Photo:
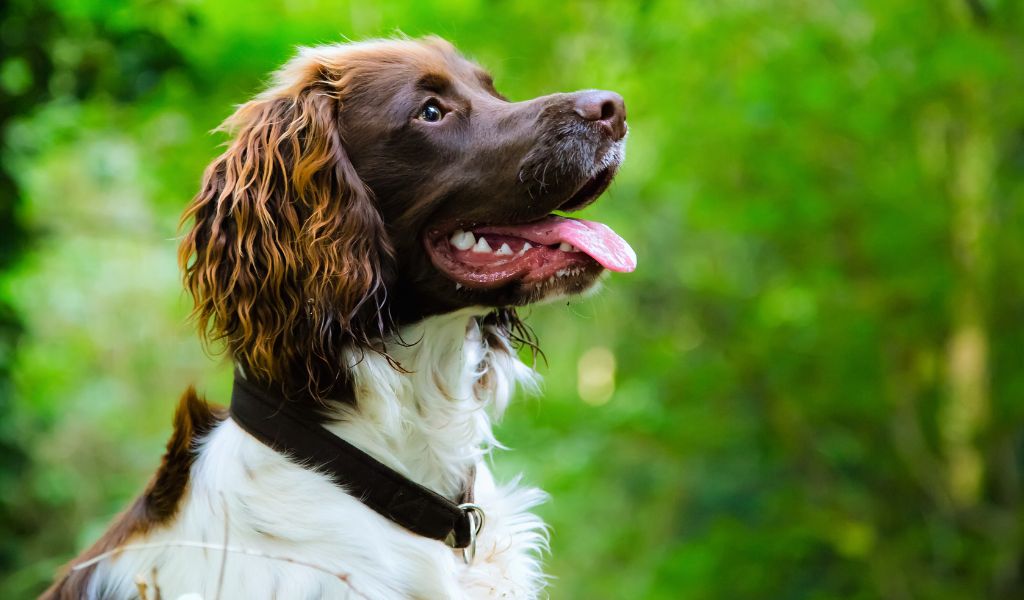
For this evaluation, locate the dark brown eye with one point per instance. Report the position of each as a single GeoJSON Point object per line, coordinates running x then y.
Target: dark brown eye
{"type": "Point", "coordinates": [431, 113]}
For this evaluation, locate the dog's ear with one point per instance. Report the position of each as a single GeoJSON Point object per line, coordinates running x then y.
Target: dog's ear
{"type": "Point", "coordinates": [284, 245]}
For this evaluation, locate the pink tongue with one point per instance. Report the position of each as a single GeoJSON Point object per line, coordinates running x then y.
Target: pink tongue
{"type": "Point", "coordinates": [596, 239]}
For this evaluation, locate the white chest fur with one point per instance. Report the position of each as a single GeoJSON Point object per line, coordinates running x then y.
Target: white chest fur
{"type": "Point", "coordinates": [292, 533]}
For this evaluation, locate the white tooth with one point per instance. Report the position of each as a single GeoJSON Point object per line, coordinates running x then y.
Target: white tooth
{"type": "Point", "coordinates": [526, 247]}
{"type": "Point", "coordinates": [458, 286]}
{"type": "Point", "coordinates": [481, 246]}
{"type": "Point", "coordinates": [463, 240]}
{"type": "Point", "coordinates": [561, 272]}
{"type": "Point", "coordinates": [504, 250]}
{"type": "Point", "coordinates": [564, 247]}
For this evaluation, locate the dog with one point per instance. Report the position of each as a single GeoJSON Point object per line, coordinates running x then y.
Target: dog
{"type": "Point", "coordinates": [360, 249]}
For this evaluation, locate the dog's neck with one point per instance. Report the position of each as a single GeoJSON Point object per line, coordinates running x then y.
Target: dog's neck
{"type": "Point", "coordinates": [431, 419]}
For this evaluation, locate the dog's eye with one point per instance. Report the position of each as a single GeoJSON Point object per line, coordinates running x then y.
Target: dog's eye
{"type": "Point", "coordinates": [431, 113]}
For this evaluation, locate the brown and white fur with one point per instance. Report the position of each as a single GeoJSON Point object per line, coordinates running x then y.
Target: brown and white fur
{"type": "Point", "coordinates": [306, 258]}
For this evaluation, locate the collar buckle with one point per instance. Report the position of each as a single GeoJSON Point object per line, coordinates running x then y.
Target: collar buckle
{"type": "Point", "coordinates": [476, 517]}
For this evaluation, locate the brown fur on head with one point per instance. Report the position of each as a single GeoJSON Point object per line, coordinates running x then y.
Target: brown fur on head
{"type": "Point", "coordinates": [324, 225]}
{"type": "Point", "coordinates": [286, 246]}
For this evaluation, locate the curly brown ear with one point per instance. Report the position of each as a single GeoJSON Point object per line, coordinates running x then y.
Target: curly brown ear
{"type": "Point", "coordinates": [283, 256]}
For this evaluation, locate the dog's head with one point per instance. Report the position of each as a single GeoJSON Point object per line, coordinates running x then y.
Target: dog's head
{"type": "Point", "coordinates": [377, 183]}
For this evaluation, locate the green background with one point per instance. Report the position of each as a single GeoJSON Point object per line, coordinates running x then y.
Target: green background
{"type": "Point", "coordinates": [811, 387]}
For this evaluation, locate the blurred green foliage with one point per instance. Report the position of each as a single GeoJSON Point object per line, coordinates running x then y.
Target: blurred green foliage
{"type": "Point", "coordinates": [811, 388]}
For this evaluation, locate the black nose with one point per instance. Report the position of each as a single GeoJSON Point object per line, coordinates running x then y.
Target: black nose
{"type": "Point", "coordinates": [606, 108]}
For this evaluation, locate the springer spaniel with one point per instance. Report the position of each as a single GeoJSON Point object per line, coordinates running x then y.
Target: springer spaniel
{"type": "Point", "coordinates": [359, 248]}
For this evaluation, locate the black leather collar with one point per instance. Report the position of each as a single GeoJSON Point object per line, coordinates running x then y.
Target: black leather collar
{"type": "Point", "coordinates": [277, 423]}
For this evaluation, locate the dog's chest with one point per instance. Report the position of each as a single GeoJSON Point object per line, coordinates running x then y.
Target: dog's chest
{"type": "Point", "coordinates": [255, 526]}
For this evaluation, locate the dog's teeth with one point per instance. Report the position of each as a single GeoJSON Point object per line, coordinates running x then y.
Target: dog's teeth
{"type": "Point", "coordinates": [463, 240]}
{"type": "Point", "coordinates": [566, 247]}
{"type": "Point", "coordinates": [504, 250]}
{"type": "Point", "coordinates": [458, 286]}
{"type": "Point", "coordinates": [561, 272]}
{"type": "Point", "coordinates": [526, 246]}
{"type": "Point", "coordinates": [481, 247]}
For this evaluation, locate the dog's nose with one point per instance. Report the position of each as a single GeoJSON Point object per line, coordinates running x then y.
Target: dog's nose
{"type": "Point", "coordinates": [606, 108]}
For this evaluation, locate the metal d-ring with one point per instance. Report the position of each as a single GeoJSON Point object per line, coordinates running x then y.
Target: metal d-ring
{"type": "Point", "coordinates": [476, 523]}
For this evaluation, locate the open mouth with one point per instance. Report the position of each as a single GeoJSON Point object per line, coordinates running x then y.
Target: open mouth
{"type": "Point", "coordinates": [552, 248]}
{"type": "Point", "coordinates": [548, 250]}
